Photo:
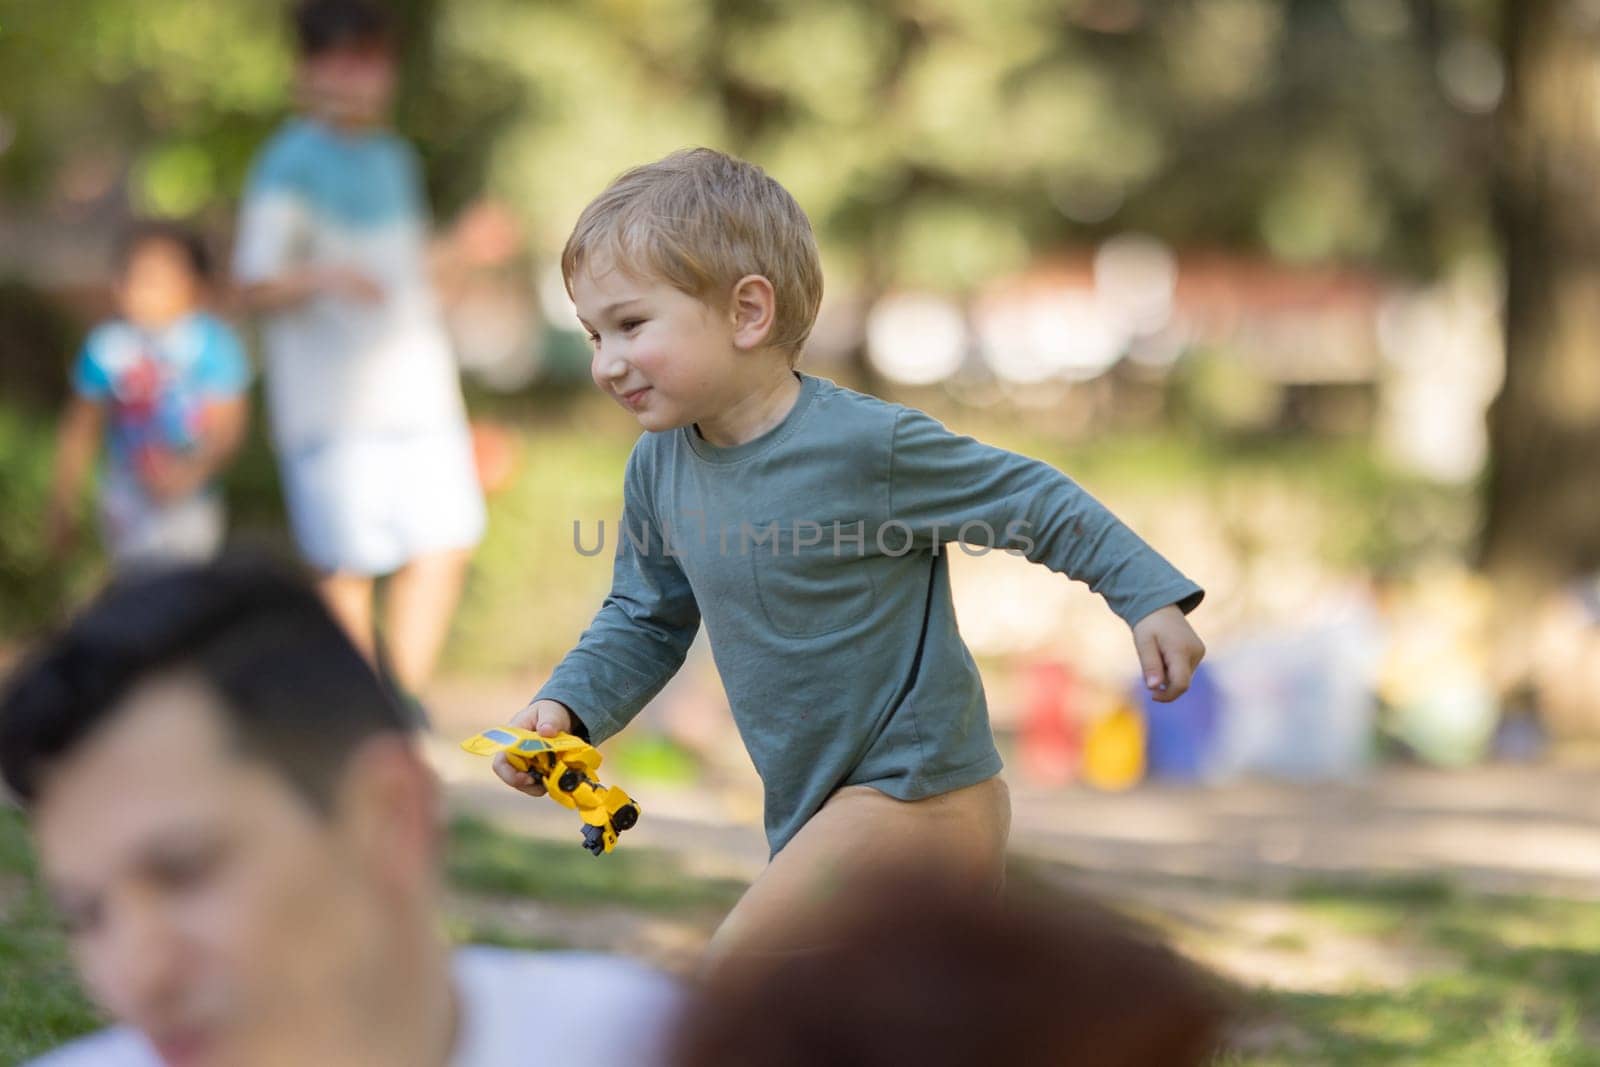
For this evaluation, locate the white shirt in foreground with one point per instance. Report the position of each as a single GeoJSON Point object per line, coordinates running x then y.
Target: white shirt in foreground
{"type": "Point", "coordinates": [614, 1012]}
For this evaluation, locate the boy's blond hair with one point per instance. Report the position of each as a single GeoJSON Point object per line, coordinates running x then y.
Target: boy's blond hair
{"type": "Point", "coordinates": [700, 220]}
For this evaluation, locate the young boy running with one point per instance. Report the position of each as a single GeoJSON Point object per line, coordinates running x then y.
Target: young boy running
{"type": "Point", "coordinates": [806, 524]}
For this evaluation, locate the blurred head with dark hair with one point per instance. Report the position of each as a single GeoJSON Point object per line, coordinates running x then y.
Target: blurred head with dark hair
{"type": "Point", "coordinates": [162, 272]}
{"type": "Point", "coordinates": [346, 61]}
{"type": "Point", "coordinates": [229, 814]}
{"type": "Point", "coordinates": [919, 970]}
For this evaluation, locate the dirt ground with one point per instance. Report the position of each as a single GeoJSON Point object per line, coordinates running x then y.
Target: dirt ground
{"type": "Point", "coordinates": [1217, 867]}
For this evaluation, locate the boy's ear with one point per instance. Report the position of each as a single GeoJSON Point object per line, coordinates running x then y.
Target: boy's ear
{"type": "Point", "coordinates": [752, 309]}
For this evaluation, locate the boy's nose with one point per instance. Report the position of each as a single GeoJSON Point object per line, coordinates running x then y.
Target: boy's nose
{"type": "Point", "coordinates": [608, 367]}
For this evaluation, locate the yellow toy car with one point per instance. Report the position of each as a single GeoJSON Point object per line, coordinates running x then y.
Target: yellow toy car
{"type": "Point", "coordinates": [567, 765]}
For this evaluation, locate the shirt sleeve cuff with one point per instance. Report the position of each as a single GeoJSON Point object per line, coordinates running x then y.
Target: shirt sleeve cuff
{"type": "Point", "coordinates": [588, 723]}
{"type": "Point", "coordinates": [1186, 595]}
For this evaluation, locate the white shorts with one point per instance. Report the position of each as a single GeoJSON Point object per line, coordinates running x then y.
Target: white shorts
{"type": "Point", "coordinates": [371, 504]}
{"type": "Point", "coordinates": [140, 532]}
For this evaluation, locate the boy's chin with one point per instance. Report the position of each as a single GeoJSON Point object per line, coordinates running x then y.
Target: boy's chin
{"type": "Point", "coordinates": [656, 422]}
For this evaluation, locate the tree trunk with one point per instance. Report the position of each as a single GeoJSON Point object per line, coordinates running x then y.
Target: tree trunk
{"type": "Point", "coordinates": [1543, 507]}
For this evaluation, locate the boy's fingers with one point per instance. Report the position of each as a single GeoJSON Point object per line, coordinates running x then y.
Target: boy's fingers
{"type": "Point", "coordinates": [1180, 671]}
{"type": "Point", "coordinates": [521, 781]}
{"type": "Point", "coordinates": [551, 721]}
{"type": "Point", "coordinates": [507, 773]}
{"type": "Point", "coordinates": [1181, 662]}
{"type": "Point", "coordinates": [1152, 669]}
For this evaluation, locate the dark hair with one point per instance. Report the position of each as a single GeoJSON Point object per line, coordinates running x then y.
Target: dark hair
{"type": "Point", "coordinates": [918, 969]}
{"type": "Point", "coordinates": [162, 231]}
{"type": "Point", "coordinates": [295, 692]}
{"type": "Point", "coordinates": [323, 25]}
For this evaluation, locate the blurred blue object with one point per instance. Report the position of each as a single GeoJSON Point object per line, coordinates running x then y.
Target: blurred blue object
{"type": "Point", "coordinates": [1180, 737]}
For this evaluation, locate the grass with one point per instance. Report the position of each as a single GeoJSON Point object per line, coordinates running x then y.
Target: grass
{"type": "Point", "coordinates": [484, 859]}
{"type": "Point", "coordinates": [1519, 977]}
{"type": "Point", "coordinates": [40, 1004]}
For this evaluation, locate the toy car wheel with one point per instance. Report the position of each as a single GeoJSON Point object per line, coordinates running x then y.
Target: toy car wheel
{"type": "Point", "coordinates": [625, 818]}
{"type": "Point", "coordinates": [569, 781]}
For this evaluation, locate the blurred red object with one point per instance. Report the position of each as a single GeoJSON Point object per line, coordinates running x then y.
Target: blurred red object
{"type": "Point", "coordinates": [1052, 733]}
{"type": "Point", "coordinates": [494, 449]}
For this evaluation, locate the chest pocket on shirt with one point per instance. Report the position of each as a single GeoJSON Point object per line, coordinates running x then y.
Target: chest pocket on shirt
{"type": "Point", "coordinates": [807, 590]}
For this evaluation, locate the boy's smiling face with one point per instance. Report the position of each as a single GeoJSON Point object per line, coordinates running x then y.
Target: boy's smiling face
{"type": "Point", "coordinates": [667, 357]}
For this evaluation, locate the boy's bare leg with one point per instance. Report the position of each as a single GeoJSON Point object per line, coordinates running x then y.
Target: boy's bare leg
{"type": "Point", "coordinates": [858, 834]}
{"type": "Point", "coordinates": [420, 602]}
{"type": "Point", "coordinates": [349, 598]}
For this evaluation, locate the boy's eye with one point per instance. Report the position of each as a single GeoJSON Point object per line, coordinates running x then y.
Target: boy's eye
{"type": "Point", "coordinates": [594, 338]}
{"type": "Point", "coordinates": [629, 325]}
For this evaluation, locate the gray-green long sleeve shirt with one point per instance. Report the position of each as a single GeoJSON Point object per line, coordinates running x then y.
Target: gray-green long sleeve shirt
{"type": "Point", "coordinates": [816, 556]}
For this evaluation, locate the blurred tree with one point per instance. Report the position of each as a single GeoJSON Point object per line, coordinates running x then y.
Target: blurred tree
{"type": "Point", "coordinates": [1543, 509]}
{"type": "Point", "coordinates": [935, 143]}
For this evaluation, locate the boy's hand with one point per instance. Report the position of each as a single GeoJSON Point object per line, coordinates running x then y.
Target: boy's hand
{"type": "Point", "coordinates": [1169, 651]}
{"type": "Point", "coordinates": [548, 718]}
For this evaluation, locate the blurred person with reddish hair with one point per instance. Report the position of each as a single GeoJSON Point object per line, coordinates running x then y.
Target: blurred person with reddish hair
{"type": "Point", "coordinates": [914, 970]}
{"type": "Point", "coordinates": [365, 402]}
{"type": "Point", "coordinates": [165, 384]}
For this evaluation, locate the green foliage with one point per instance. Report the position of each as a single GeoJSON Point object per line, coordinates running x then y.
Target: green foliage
{"type": "Point", "coordinates": [34, 589]}
{"type": "Point", "coordinates": [933, 143]}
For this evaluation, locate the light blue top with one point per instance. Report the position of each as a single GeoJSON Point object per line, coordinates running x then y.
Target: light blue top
{"type": "Point", "coordinates": [494, 987]}
{"type": "Point", "coordinates": [815, 555]}
{"type": "Point", "coordinates": [339, 366]}
{"type": "Point", "coordinates": [356, 180]}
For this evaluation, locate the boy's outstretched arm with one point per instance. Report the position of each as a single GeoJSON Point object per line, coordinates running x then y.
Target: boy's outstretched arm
{"type": "Point", "coordinates": [635, 644]}
{"type": "Point", "coordinates": [950, 488]}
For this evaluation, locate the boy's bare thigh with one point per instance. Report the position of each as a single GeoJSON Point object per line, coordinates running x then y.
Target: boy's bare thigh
{"type": "Point", "coordinates": [858, 834]}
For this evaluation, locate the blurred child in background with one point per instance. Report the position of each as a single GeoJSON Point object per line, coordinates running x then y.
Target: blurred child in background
{"type": "Point", "coordinates": [362, 392]}
{"type": "Point", "coordinates": [165, 383]}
